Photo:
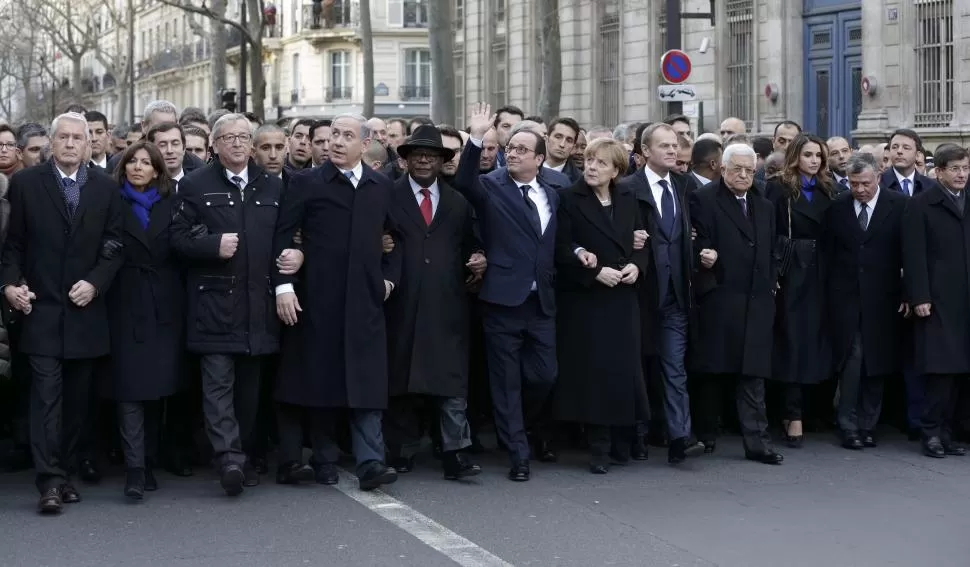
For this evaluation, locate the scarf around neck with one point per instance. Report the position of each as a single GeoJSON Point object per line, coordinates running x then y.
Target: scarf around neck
{"type": "Point", "coordinates": [141, 203]}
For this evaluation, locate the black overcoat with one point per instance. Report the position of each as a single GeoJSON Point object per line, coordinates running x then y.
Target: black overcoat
{"type": "Point", "coordinates": [50, 251]}
{"type": "Point", "coordinates": [427, 315]}
{"type": "Point", "coordinates": [936, 270]}
{"type": "Point", "coordinates": [598, 327]}
{"type": "Point", "coordinates": [231, 303]}
{"type": "Point", "coordinates": [735, 299]}
{"type": "Point", "coordinates": [336, 354]}
{"type": "Point", "coordinates": [802, 353]}
{"type": "Point", "coordinates": [864, 287]}
{"type": "Point", "coordinates": [146, 309]}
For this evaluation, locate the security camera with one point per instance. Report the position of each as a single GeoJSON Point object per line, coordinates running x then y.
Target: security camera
{"type": "Point", "coordinates": [705, 43]}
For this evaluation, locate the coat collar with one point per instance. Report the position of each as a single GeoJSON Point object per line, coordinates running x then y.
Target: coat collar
{"type": "Point", "coordinates": [727, 200]}
{"type": "Point", "coordinates": [589, 205]}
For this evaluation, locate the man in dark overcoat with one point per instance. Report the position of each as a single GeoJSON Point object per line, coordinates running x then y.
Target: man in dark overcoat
{"type": "Point", "coordinates": [936, 272]}
{"type": "Point", "coordinates": [862, 240]}
{"type": "Point", "coordinates": [61, 254]}
{"type": "Point", "coordinates": [231, 311]}
{"type": "Point", "coordinates": [734, 287]}
{"type": "Point", "coordinates": [335, 348]}
{"type": "Point", "coordinates": [427, 317]}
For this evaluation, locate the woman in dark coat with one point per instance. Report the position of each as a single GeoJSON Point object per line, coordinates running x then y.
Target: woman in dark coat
{"type": "Point", "coordinates": [146, 313]}
{"type": "Point", "coordinates": [598, 320]}
{"type": "Point", "coordinates": [802, 355]}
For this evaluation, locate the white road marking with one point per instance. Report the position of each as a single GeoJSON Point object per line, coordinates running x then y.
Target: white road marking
{"type": "Point", "coordinates": [436, 536]}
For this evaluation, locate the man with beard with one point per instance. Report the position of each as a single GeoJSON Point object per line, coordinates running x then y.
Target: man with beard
{"type": "Point", "coordinates": [299, 145]}
{"type": "Point", "coordinates": [839, 153]}
{"type": "Point", "coordinates": [452, 141]}
{"type": "Point", "coordinates": [427, 317]}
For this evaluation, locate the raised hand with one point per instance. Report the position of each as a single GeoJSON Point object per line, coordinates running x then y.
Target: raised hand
{"type": "Point", "coordinates": [480, 120]}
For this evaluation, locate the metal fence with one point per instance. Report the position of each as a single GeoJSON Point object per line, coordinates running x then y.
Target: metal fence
{"type": "Point", "coordinates": [934, 63]}
{"type": "Point", "coordinates": [740, 64]}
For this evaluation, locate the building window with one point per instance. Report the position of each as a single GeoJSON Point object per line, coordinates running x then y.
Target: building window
{"type": "Point", "coordinates": [340, 79]}
{"type": "Point", "coordinates": [498, 75]}
{"type": "Point", "coordinates": [740, 65]}
{"type": "Point", "coordinates": [415, 13]}
{"type": "Point", "coordinates": [934, 63]}
{"type": "Point", "coordinates": [609, 63]}
{"type": "Point", "coordinates": [460, 110]}
{"type": "Point", "coordinates": [295, 73]}
{"type": "Point", "coordinates": [459, 14]}
{"type": "Point", "coordinates": [417, 75]}
{"type": "Point", "coordinates": [498, 11]}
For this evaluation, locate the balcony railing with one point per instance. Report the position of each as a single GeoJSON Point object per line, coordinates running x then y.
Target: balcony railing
{"type": "Point", "coordinates": [338, 93]}
{"type": "Point", "coordinates": [316, 16]}
{"type": "Point", "coordinates": [415, 92]}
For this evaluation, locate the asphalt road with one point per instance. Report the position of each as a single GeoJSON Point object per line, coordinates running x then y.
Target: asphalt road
{"type": "Point", "coordinates": [825, 506]}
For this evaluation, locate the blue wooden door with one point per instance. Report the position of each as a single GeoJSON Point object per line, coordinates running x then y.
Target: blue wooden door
{"type": "Point", "coordinates": [833, 73]}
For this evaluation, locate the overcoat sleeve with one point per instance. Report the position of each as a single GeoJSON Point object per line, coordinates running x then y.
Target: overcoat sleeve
{"type": "Point", "coordinates": [188, 211]}
{"type": "Point", "coordinates": [568, 265]}
{"type": "Point", "coordinates": [916, 278]}
{"type": "Point", "coordinates": [467, 177]}
{"type": "Point", "coordinates": [13, 248]}
{"type": "Point", "coordinates": [288, 222]}
{"type": "Point", "coordinates": [702, 221]}
{"type": "Point", "coordinates": [111, 257]}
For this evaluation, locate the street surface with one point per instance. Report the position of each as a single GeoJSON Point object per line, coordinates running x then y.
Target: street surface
{"type": "Point", "coordinates": [883, 507]}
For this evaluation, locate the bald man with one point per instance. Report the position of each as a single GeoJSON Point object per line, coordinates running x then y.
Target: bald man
{"type": "Point", "coordinates": [839, 153]}
{"type": "Point", "coordinates": [732, 126]}
{"type": "Point", "coordinates": [774, 164]}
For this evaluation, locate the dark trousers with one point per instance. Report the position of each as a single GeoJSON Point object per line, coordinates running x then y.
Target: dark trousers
{"type": "Point", "coordinates": [673, 351]}
{"type": "Point", "coordinates": [654, 416]}
{"type": "Point", "coordinates": [405, 418]}
{"type": "Point", "coordinates": [183, 419]}
{"type": "Point", "coordinates": [605, 440]}
{"type": "Point", "coordinates": [365, 434]}
{"type": "Point", "coordinates": [59, 401]}
{"type": "Point", "coordinates": [915, 386]}
{"type": "Point", "coordinates": [230, 400]}
{"type": "Point", "coordinates": [521, 349]}
{"type": "Point", "coordinates": [939, 404]}
{"type": "Point", "coordinates": [264, 429]}
{"type": "Point", "coordinates": [860, 395]}
{"type": "Point", "coordinates": [139, 424]}
{"type": "Point", "coordinates": [749, 396]}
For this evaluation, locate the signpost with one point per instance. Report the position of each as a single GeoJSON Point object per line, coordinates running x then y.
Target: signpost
{"type": "Point", "coordinates": [677, 93]}
{"type": "Point", "coordinates": [675, 66]}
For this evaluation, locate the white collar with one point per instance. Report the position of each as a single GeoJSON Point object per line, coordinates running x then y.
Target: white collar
{"type": "Point", "coordinates": [416, 188]}
{"type": "Point", "coordinates": [103, 164]}
{"type": "Point", "coordinates": [244, 175]}
{"type": "Point", "coordinates": [871, 205]}
{"type": "Point", "coordinates": [180, 175]}
{"type": "Point", "coordinates": [72, 177]}
{"type": "Point", "coordinates": [701, 178]}
{"type": "Point", "coordinates": [653, 178]}
{"type": "Point", "coordinates": [532, 184]}
{"type": "Point", "coordinates": [558, 168]}
{"type": "Point", "coordinates": [358, 170]}
{"type": "Point", "coordinates": [900, 177]}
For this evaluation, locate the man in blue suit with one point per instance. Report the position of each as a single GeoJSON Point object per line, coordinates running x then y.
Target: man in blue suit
{"type": "Point", "coordinates": [516, 209]}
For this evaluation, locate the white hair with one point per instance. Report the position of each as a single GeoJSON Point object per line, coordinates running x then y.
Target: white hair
{"type": "Point", "coordinates": [163, 106]}
{"type": "Point", "coordinates": [740, 150]}
{"type": "Point", "coordinates": [365, 131]}
{"type": "Point", "coordinates": [709, 136]}
{"type": "Point", "coordinates": [228, 119]}
{"type": "Point", "coordinates": [70, 116]}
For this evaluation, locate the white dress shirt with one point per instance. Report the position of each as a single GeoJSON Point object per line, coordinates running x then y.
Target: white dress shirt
{"type": "Point", "coordinates": [178, 178]}
{"type": "Point", "coordinates": [912, 181]}
{"type": "Point", "coordinates": [658, 192]}
{"type": "Point", "coordinates": [541, 200]}
{"type": "Point", "coordinates": [103, 164]}
{"type": "Point", "coordinates": [435, 194]}
{"type": "Point", "coordinates": [701, 180]}
{"type": "Point", "coordinates": [558, 168]}
{"type": "Point", "coordinates": [357, 170]}
{"type": "Point", "coordinates": [870, 206]}
{"type": "Point", "coordinates": [72, 177]}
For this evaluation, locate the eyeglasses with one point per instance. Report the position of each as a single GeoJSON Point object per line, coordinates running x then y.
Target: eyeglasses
{"type": "Point", "coordinates": [738, 170]}
{"type": "Point", "coordinates": [518, 150]}
{"type": "Point", "coordinates": [233, 138]}
{"type": "Point", "coordinates": [8, 145]}
{"type": "Point", "coordinates": [950, 169]}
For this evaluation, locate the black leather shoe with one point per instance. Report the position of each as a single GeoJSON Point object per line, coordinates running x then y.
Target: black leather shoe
{"type": "Point", "coordinates": [232, 479]}
{"type": "Point", "coordinates": [952, 450]}
{"type": "Point", "coordinates": [710, 446]}
{"type": "Point", "coordinates": [458, 466]}
{"type": "Point", "coordinates": [326, 474]}
{"type": "Point", "coordinates": [260, 464]}
{"type": "Point", "coordinates": [868, 439]}
{"type": "Point", "coordinates": [374, 474]}
{"type": "Point", "coordinates": [769, 457]}
{"type": "Point", "coordinates": [543, 451]}
{"type": "Point", "coordinates": [135, 484]}
{"type": "Point", "coordinates": [476, 448]}
{"type": "Point", "coordinates": [520, 472]}
{"type": "Point", "coordinates": [50, 502]}
{"type": "Point", "coordinates": [250, 475]}
{"type": "Point", "coordinates": [599, 469]}
{"type": "Point", "coordinates": [638, 450]}
{"type": "Point", "coordinates": [852, 441]}
{"type": "Point", "coordinates": [619, 458]}
{"type": "Point", "coordinates": [88, 472]}
{"type": "Point", "coordinates": [681, 448]}
{"type": "Point", "coordinates": [933, 447]}
{"type": "Point", "coordinates": [151, 483]}
{"type": "Point", "coordinates": [403, 465]}
{"type": "Point", "coordinates": [294, 473]}
{"type": "Point", "coordinates": [69, 494]}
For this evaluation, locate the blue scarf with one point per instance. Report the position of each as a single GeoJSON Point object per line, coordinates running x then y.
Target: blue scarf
{"type": "Point", "coordinates": [808, 188]}
{"type": "Point", "coordinates": [141, 203]}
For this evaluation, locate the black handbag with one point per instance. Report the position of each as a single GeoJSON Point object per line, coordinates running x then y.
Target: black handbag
{"type": "Point", "coordinates": [784, 247]}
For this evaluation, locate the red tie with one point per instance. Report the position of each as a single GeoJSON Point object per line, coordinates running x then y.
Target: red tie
{"type": "Point", "coordinates": [426, 206]}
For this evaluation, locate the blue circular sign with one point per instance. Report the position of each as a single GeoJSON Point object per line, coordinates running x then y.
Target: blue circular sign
{"type": "Point", "coordinates": [675, 66]}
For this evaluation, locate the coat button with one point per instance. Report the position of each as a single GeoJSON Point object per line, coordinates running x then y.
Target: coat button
{"type": "Point", "coordinates": [257, 202]}
{"type": "Point", "coordinates": [208, 203]}
{"type": "Point", "coordinates": [427, 260]}
{"type": "Point", "coordinates": [231, 203]}
{"type": "Point", "coordinates": [750, 243]}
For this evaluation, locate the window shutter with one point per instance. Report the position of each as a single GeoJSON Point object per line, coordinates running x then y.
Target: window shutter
{"type": "Point", "coordinates": [395, 13]}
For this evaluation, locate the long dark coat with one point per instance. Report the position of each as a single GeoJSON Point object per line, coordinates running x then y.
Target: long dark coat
{"type": "Point", "coordinates": [146, 309]}
{"type": "Point", "coordinates": [427, 315]}
{"type": "Point", "coordinates": [936, 269]}
{"type": "Point", "coordinates": [50, 251]}
{"type": "Point", "coordinates": [802, 353]}
{"type": "Point", "coordinates": [864, 287]}
{"type": "Point", "coordinates": [336, 355]}
{"type": "Point", "coordinates": [231, 303]}
{"type": "Point", "coordinates": [735, 299]}
{"type": "Point", "coordinates": [598, 327]}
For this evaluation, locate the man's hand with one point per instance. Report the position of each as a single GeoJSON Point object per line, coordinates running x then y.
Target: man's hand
{"type": "Point", "coordinates": [387, 241]}
{"type": "Point", "coordinates": [480, 120]}
{"type": "Point", "coordinates": [19, 297]}
{"type": "Point", "coordinates": [587, 258]}
{"type": "Point", "coordinates": [640, 239]}
{"type": "Point", "coordinates": [904, 309]}
{"type": "Point", "coordinates": [388, 287]}
{"type": "Point", "coordinates": [228, 245]}
{"type": "Point", "coordinates": [287, 307]}
{"type": "Point", "coordinates": [82, 293]}
{"type": "Point", "coordinates": [923, 310]}
{"type": "Point", "coordinates": [477, 264]}
{"type": "Point", "coordinates": [609, 277]}
{"type": "Point", "coordinates": [630, 273]}
{"type": "Point", "coordinates": [290, 261]}
{"type": "Point", "coordinates": [708, 257]}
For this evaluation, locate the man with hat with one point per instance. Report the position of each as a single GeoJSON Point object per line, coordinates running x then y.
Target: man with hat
{"type": "Point", "coordinates": [427, 316]}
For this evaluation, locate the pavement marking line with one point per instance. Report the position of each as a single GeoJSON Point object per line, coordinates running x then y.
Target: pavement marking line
{"type": "Point", "coordinates": [436, 536]}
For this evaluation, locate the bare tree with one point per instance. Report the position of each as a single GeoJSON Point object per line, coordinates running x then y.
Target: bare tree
{"type": "Point", "coordinates": [69, 27]}
{"type": "Point", "coordinates": [551, 88]}
{"type": "Point", "coordinates": [218, 38]}
{"type": "Point", "coordinates": [367, 47]}
{"type": "Point", "coordinates": [113, 55]}
{"type": "Point", "coordinates": [20, 70]}
{"type": "Point", "coordinates": [441, 39]}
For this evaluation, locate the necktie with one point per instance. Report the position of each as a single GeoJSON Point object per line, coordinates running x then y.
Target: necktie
{"type": "Point", "coordinates": [72, 194]}
{"type": "Point", "coordinates": [864, 217]}
{"type": "Point", "coordinates": [239, 183]}
{"type": "Point", "coordinates": [350, 177]}
{"type": "Point", "coordinates": [844, 182]}
{"type": "Point", "coordinates": [426, 211]}
{"type": "Point", "coordinates": [959, 200]}
{"type": "Point", "coordinates": [906, 190]}
{"type": "Point", "coordinates": [666, 207]}
{"type": "Point", "coordinates": [533, 210]}
{"type": "Point", "coordinates": [744, 206]}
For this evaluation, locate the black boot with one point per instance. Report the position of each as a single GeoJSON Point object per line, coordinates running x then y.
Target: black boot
{"type": "Point", "coordinates": [135, 484]}
{"type": "Point", "coordinates": [458, 466]}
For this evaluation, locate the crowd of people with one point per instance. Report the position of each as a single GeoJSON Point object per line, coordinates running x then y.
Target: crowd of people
{"type": "Point", "coordinates": [353, 285]}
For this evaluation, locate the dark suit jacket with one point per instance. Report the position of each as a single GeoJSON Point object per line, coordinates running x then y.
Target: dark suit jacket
{"type": "Point", "coordinates": [50, 251]}
{"type": "Point", "coordinates": [890, 181]}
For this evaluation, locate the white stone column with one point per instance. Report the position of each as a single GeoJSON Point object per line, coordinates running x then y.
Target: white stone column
{"type": "Point", "coordinates": [876, 56]}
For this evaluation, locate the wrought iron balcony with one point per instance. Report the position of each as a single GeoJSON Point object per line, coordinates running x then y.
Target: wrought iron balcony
{"type": "Point", "coordinates": [342, 14]}
{"type": "Point", "coordinates": [415, 92]}
{"type": "Point", "coordinates": [338, 93]}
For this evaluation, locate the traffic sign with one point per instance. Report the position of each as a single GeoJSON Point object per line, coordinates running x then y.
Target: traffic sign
{"type": "Point", "coordinates": [675, 66]}
{"type": "Point", "coordinates": [677, 93]}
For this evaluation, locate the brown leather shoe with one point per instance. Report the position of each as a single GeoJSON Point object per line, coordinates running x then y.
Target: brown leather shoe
{"type": "Point", "coordinates": [69, 494]}
{"type": "Point", "coordinates": [50, 502]}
